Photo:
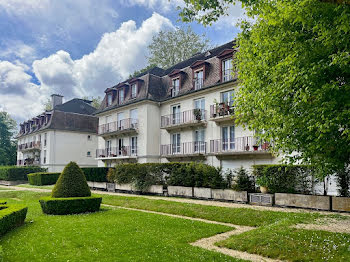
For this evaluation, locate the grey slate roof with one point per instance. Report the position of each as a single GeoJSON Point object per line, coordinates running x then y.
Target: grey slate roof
{"type": "Point", "coordinates": [76, 105]}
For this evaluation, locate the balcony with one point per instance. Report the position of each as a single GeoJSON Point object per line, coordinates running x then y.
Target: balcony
{"type": "Point", "coordinates": [124, 152]}
{"type": "Point", "coordinates": [188, 149]}
{"type": "Point", "coordinates": [222, 112]}
{"type": "Point", "coordinates": [239, 146]}
{"type": "Point", "coordinates": [29, 146]}
{"type": "Point", "coordinates": [128, 125]}
{"type": "Point", "coordinates": [227, 75]}
{"type": "Point", "coordinates": [189, 118]}
{"type": "Point", "coordinates": [198, 83]}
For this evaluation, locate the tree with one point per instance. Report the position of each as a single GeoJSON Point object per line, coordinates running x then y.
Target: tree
{"type": "Point", "coordinates": [138, 72]}
{"type": "Point", "coordinates": [8, 146]}
{"type": "Point", "coordinates": [96, 101]}
{"type": "Point", "coordinates": [47, 105]}
{"type": "Point", "coordinates": [294, 73]}
{"type": "Point", "coordinates": [171, 47]}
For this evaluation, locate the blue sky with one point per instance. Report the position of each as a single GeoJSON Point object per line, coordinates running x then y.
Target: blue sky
{"type": "Point", "coordinates": [81, 47]}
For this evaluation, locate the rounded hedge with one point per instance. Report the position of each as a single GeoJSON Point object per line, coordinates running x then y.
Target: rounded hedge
{"type": "Point", "coordinates": [43, 178]}
{"type": "Point", "coordinates": [71, 183]}
{"type": "Point", "coordinates": [70, 205]}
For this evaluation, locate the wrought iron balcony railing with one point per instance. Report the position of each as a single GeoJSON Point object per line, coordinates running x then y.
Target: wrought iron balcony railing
{"type": "Point", "coordinates": [239, 144]}
{"type": "Point", "coordinates": [124, 151]}
{"type": "Point", "coordinates": [118, 126]}
{"type": "Point", "coordinates": [185, 117]}
{"type": "Point", "coordinates": [187, 148]}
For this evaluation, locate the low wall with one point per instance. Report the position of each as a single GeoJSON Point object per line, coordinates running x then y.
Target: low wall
{"type": "Point", "coordinates": [202, 192]}
{"type": "Point", "coordinates": [12, 183]}
{"type": "Point", "coordinates": [230, 195]}
{"type": "Point", "coordinates": [304, 201]}
{"type": "Point", "coordinates": [124, 187]}
{"type": "Point", "coordinates": [341, 204]}
{"type": "Point", "coordinates": [180, 191]}
{"type": "Point", "coordinates": [155, 189]}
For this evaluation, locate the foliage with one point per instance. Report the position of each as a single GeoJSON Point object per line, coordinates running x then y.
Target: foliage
{"type": "Point", "coordinates": [243, 182]}
{"type": "Point", "coordinates": [43, 178]}
{"type": "Point", "coordinates": [284, 178]}
{"type": "Point", "coordinates": [171, 47]}
{"type": "Point", "coordinates": [15, 173]}
{"type": "Point", "coordinates": [71, 183]}
{"type": "Point", "coordinates": [343, 182]}
{"type": "Point", "coordinates": [179, 174]}
{"type": "Point", "coordinates": [139, 72]}
{"type": "Point", "coordinates": [8, 146]}
{"type": "Point", "coordinates": [70, 205]}
{"type": "Point", "coordinates": [11, 216]}
{"type": "Point", "coordinates": [96, 101]}
{"type": "Point", "coordinates": [47, 105]}
{"type": "Point", "coordinates": [95, 174]}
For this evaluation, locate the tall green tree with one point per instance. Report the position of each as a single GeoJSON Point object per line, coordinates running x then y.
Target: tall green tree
{"type": "Point", "coordinates": [137, 72]}
{"type": "Point", "coordinates": [293, 64]}
{"type": "Point", "coordinates": [96, 101]}
{"type": "Point", "coordinates": [8, 147]}
{"type": "Point", "coordinates": [171, 47]}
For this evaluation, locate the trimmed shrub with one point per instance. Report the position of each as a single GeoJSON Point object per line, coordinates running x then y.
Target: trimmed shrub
{"type": "Point", "coordinates": [284, 178]}
{"type": "Point", "coordinates": [18, 173]}
{"type": "Point", "coordinates": [70, 205]}
{"type": "Point", "coordinates": [71, 183]}
{"type": "Point", "coordinates": [42, 178]}
{"type": "Point", "coordinates": [11, 216]}
{"type": "Point", "coordinates": [175, 174]}
{"type": "Point", "coordinates": [95, 174]}
{"type": "Point", "coordinates": [243, 182]}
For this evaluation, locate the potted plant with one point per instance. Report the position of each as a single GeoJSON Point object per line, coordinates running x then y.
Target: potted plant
{"type": "Point", "coordinates": [255, 147]}
{"type": "Point", "coordinates": [198, 114]}
{"type": "Point", "coordinates": [263, 182]}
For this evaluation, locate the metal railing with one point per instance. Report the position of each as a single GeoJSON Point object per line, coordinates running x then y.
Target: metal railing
{"type": "Point", "coordinates": [239, 144]}
{"type": "Point", "coordinates": [29, 145]}
{"type": "Point", "coordinates": [116, 152]}
{"type": "Point", "coordinates": [185, 117]}
{"type": "Point", "coordinates": [124, 124]}
{"type": "Point", "coordinates": [227, 75]}
{"type": "Point", "coordinates": [198, 83]}
{"type": "Point", "coordinates": [187, 148]}
{"type": "Point", "coordinates": [221, 109]}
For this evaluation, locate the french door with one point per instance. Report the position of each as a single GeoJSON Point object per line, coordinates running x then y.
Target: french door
{"type": "Point", "coordinates": [176, 114]}
{"type": "Point", "coordinates": [176, 143]}
{"type": "Point", "coordinates": [228, 138]}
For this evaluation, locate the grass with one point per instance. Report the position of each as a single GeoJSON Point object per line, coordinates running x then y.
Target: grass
{"type": "Point", "coordinates": [108, 235]}
{"type": "Point", "coordinates": [34, 186]}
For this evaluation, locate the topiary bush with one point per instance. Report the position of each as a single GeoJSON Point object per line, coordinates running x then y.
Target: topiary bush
{"type": "Point", "coordinates": [43, 178]}
{"type": "Point", "coordinates": [70, 205]}
{"type": "Point", "coordinates": [16, 173]}
{"type": "Point", "coordinates": [11, 216]}
{"type": "Point", "coordinates": [243, 182]}
{"type": "Point", "coordinates": [71, 183]}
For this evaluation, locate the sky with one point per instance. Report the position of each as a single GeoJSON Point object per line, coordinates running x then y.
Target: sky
{"type": "Point", "coordinates": [79, 48]}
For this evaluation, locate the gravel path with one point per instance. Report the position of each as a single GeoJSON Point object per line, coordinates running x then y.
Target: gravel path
{"type": "Point", "coordinates": [328, 224]}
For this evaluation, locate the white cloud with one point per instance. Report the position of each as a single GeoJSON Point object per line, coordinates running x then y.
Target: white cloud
{"type": "Point", "coordinates": [117, 55]}
{"type": "Point", "coordinates": [159, 5]}
{"type": "Point", "coordinates": [17, 50]}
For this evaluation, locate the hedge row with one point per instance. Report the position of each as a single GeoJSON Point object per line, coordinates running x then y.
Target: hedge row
{"type": "Point", "coordinates": [95, 174]}
{"type": "Point", "coordinates": [11, 216]}
{"type": "Point", "coordinates": [15, 173]}
{"type": "Point", "coordinates": [43, 178]}
{"type": "Point", "coordinates": [173, 174]}
{"type": "Point", "coordinates": [285, 178]}
{"type": "Point", "coordinates": [70, 205]}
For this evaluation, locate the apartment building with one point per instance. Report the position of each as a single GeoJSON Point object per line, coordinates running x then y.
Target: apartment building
{"type": "Point", "coordinates": [66, 133]}
{"type": "Point", "coordinates": [183, 113]}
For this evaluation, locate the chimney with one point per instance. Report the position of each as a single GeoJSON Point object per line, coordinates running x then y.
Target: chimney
{"type": "Point", "coordinates": [56, 100]}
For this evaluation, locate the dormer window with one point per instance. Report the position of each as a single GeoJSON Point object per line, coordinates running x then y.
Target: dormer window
{"type": "Point", "coordinates": [227, 70]}
{"type": "Point", "coordinates": [133, 90]}
{"type": "Point", "coordinates": [121, 96]}
{"type": "Point", "coordinates": [109, 99]}
{"type": "Point", "coordinates": [198, 79]}
{"type": "Point", "coordinates": [175, 87]}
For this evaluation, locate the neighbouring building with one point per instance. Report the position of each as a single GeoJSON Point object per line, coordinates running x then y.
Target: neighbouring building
{"type": "Point", "coordinates": [183, 113]}
{"type": "Point", "coordinates": [66, 133]}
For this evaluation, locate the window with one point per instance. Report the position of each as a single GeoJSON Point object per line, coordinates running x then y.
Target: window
{"type": "Point", "coordinates": [44, 158]}
{"type": "Point", "coordinates": [176, 114]}
{"type": "Point", "coordinates": [227, 70]}
{"type": "Point", "coordinates": [121, 95]}
{"type": "Point", "coordinates": [199, 112]}
{"type": "Point", "coordinates": [228, 138]}
{"type": "Point", "coordinates": [120, 121]}
{"type": "Point", "coordinates": [88, 154]}
{"type": "Point", "coordinates": [133, 90]}
{"type": "Point", "coordinates": [176, 87]}
{"type": "Point", "coordinates": [133, 142]}
{"type": "Point", "coordinates": [198, 79]}
{"type": "Point", "coordinates": [133, 116]}
{"type": "Point", "coordinates": [227, 97]}
{"type": "Point", "coordinates": [121, 148]}
{"type": "Point", "coordinates": [109, 99]}
{"type": "Point", "coordinates": [199, 141]}
{"type": "Point", "coordinates": [108, 147]}
{"type": "Point", "coordinates": [45, 139]}
{"type": "Point", "coordinates": [176, 143]}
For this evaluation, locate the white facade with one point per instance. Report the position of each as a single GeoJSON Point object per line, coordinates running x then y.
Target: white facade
{"type": "Point", "coordinates": [53, 149]}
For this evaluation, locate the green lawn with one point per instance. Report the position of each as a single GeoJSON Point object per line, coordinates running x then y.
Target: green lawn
{"type": "Point", "coordinates": [108, 235]}
{"type": "Point", "coordinates": [33, 186]}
